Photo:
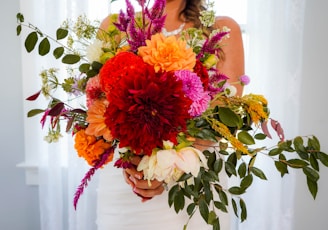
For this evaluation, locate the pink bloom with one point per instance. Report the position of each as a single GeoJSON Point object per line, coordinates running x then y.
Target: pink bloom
{"type": "Point", "coordinates": [193, 88]}
{"type": "Point", "coordinates": [93, 90]}
{"type": "Point", "coordinates": [244, 80]}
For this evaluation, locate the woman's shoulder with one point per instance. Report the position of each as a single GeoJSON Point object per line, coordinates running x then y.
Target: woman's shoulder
{"type": "Point", "coordinates": [226, 21]}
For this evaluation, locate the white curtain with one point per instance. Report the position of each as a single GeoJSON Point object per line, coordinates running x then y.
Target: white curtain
{"type": "Point", "coordinates": [60, 170]}
{"type": "Point", "coordinates": [274, 63]}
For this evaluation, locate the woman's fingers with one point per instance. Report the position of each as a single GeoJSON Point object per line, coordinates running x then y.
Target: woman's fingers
{"type": "Point", "coordinates": [149, 193]}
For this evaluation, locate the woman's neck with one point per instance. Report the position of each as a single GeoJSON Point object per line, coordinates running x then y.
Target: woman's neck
{"type": "Point", "coordinates": [173, 9]}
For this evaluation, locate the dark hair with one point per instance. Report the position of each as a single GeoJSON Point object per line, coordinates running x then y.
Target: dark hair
{"type": "Point", "coordinates": [192, 11]}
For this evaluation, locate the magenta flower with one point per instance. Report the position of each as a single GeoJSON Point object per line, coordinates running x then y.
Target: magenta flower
{"type": "Point", "coordinates": [244, 80]}
{"type": "Point", "coordinates": [193, 88]}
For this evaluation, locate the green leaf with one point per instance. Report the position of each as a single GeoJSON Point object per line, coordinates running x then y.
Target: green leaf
{"type": "Point", "coordinates": [71, 59]}
{"type": "Point", "coordinates": [44, 47]}
{"type": "Point", "coordinates": [234, 205]}
{"type": "Point", "coordinates": [314, 162]}
{"type": "Point", "coordinates": [243, 214]}
{"type": "Point", "coordinates": [230, 168]}
{"type": "Point", "coordinates": [18, 30]}
{"type": "Point", "coordinates": [184, 177]}
{"type": "Point", "coordinates": [282, 168]}
{"type": "Point", "coordinates": [191, 208]}
{"type": "Point", "coordinates": [242, 169]}
{"type": "Point", "coordinates": [313, 187]}
{"type": "Point", "coordinates": [260, 136]}
{"type": "Point", "coordinates": [34, 112]}
{"type": "Point", "coordinates": [246, 182]}
{"type": "Point", "coordinates": [179, 201]}
{"type": "Point", "coordinates": [203, 209]}
{"type": "Point", "coordinates": [221, 206]}
{"type": "Point", "coordinates": [323, 157]}
{"type": "Point", "coordinates": [58, 52]}
{"type": "Point", "coordinates": [236, 190]}
{"type": "Point", "coordinates": [300, 149]}
{"type": "Point", "coordinates": [61, 33]}
{"type": "Point", "coordinates": [211, 218]}
{"type": "Point", "coordinates": [314, 143]}
{"type": "Point", "coordinates": [172, 193]}
{"type": "Point", "coordinates": [297, 163]}
{"type": "Point", "coordinates": [85, 67]}
{"type": "Point", "coordinates": [274, 152]}
{"type": "Point", "coordinates": [246, 138]}
{"type": "Point", "coordinates": [258, 172]}
{"type": "Point", "coordinates": [223, 197]}
{"type": "Point", "coordinates": [20, 17]}
{"type": "Point", "coordinates": [311, 173]}
{"type": "Point", "coordinates": [229, 118]}
{"type": "Point", "coordinates": [218, 165]}
{"type": "Point", "coordinates": [31, 41]}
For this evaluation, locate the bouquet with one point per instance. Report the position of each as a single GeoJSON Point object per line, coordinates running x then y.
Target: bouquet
{"type": "Point", "coordinates": [157, 97]}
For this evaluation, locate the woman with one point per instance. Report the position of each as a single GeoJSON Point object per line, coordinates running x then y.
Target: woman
{"type": "Point", "coordinates": [118, 207]}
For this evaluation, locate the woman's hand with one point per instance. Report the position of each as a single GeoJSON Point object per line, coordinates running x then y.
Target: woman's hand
{"type": "Point", "coordinates": [140, 186]}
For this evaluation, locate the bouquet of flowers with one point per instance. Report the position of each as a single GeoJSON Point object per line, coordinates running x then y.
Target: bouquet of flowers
{"type": "Point", "coordinates": [156, 97]}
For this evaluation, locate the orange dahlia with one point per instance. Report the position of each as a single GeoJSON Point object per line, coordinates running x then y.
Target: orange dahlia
{"type": "Point", "coordinates": [167, 54]}
{"type": "Point", "coordinates": [90, 148]}
{"type": "Point", "coordinates": [96, 120]}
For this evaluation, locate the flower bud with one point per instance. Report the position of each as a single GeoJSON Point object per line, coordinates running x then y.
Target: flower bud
{"type": "Point", "coordinates": [210, 61]}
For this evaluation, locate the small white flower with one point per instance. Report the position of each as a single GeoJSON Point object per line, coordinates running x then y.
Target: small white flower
{"type": "Point", "coordinates": [230, 90]}
{"type": "Point", "coordinates": [94, 51]}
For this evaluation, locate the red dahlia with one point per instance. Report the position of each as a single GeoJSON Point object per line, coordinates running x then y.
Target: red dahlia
{"type": "Point", "coordinates": [145, 108]}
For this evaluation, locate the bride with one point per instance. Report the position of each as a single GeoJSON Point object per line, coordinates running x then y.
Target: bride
{"type": "Point", "coordinates": [125, 201]}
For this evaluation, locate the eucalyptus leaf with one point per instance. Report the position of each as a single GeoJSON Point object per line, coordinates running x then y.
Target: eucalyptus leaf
{"type": "Point", "coordinates": [230, 168]}
{"type": "Point", "coordinates": [218, 165]}
{"type": "Point", "coordinates": [242, 170]}
{"type": "Point", "coordinates": [191, 208]}
{"type": "Point", "coordinates": [314, 143]}
{"type": "Point", "coordinates": [223, 197]}
{"type": "Point", "coordinates": [85, 67]}
{"type": "Point", "coordinates": [260, 136]}
{"type": "Point", "coordinates": [31, 41]}
{"type": "Point", "coordinates": [220, 206]}
{"type": "Point", "coordinates": [44, 46]}
{"type": "Point", "coordinates": [275, 151]}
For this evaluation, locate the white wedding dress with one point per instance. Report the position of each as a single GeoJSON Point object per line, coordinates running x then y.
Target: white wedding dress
{"type": "Point", "coordinates": [118, 208]}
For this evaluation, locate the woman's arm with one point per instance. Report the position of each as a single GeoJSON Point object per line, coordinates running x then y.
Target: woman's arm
{"type": "Point", "coordinates": [232, 64]}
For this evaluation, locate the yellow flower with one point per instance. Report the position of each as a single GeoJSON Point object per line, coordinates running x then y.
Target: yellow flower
{"type": "Point", "coordinates": [256, 104]}
{"type": "Point", "coordinates": [96, 120]}
{"type": "Point", "coordinates": [167, 53]}
{"type": "Point", "coordinates": [225, 132]}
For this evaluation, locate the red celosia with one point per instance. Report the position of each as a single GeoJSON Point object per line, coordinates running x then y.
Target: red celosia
{"type": "Point", "coordinates": [145, 108]}
{"type": "Point", "coordinates": [201, 72]}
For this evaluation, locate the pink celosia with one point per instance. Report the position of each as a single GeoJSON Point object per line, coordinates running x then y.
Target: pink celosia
{"type": "Point", "coordinates": [93, 90]}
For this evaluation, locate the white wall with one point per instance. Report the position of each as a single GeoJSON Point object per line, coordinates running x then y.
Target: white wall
{"type": "Point", "coordinates": [19, 208]}
{"type": "Point", "coordinates": [311, 214]}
